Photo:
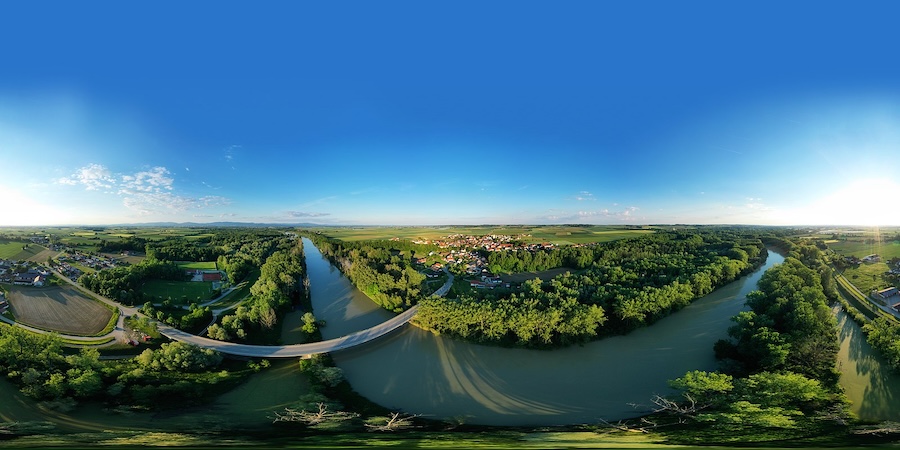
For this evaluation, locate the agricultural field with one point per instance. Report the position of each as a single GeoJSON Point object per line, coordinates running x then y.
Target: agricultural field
{"type": "Point", "coordinates": [862, 247]}
{"type": "Point", "coordinates": [195, 291]}
{"type": "Point", "coordinates": [25, 251]}
{"type": "Point", "coordinates": [559, 235]}
{"type": "Point", "coordinates": [63, 309]}
{"type": "Point", "coordinates": [868, 277]}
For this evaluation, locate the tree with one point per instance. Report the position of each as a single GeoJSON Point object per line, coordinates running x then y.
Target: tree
{"type": "Point", "coordinates": [312, 418]}
{"type": "Point", "coordinates": [309, 323]}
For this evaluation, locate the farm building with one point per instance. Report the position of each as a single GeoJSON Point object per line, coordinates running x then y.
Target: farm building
{"type": "Point", "coordinates": [212, 276]}
{"type": "Point", "coordinates": [885, 294]}
{"type": "Point", "coordinates": [32, 278]}
{"type": "Point", "coordinates": [871, 259]}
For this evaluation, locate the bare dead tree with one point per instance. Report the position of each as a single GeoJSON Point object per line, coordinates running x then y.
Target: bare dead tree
{"type": "Point", "coordinates": [7, 428]}
{"type": "Point", "coordinates": [268, 318]}
{"type": "Point", "coordinates": [397, 421]}
{"type": "Point", "coordinates": [881, 429]}
{"type": "Point", "coordinates": [688, 410]}
{"type": "Point", "coordinates": [311, 418]}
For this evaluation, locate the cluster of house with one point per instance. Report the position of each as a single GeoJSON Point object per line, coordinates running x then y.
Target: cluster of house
{"type": "Point", "coordinates": [31, 277]}
{"type": "Point", "coordinates": [489, 242]}
{"type": "Point", "coordinates": [96, 262]}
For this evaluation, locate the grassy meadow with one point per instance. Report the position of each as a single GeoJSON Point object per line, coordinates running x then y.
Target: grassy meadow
{"type": "Point", "coordinates": [195, 291]}
{"type": "Point", "coordinates": [20, 251]}
{"type": "Point", "coordinates": [868, 277]}
{"type": "Point", "coordinates": [559, 235]}
{"type": "Point", "coordinates": [195, 265]}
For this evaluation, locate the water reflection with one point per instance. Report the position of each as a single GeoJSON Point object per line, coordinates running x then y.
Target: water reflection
{"type": "Point", "coordinates": [418, 372]}
{"type": "Point", "coordinates": [866, 378]}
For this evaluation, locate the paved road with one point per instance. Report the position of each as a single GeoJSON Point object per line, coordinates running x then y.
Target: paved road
{"type": "Point", "coordinates": [261, 351]}
{"type": "Point", "coordinates": [442, 291]}
{"type": "Point", "coordinates": [295, 350]}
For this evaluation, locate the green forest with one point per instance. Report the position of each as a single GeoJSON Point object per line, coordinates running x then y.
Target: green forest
{"type": "Point", "coordinates": [622, 285]}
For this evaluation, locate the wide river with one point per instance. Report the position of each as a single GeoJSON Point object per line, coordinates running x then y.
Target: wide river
{"type": "Point", "coordinates": [417, 372]}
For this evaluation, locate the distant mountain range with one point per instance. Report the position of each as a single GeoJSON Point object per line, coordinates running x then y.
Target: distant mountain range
{"type": "Point", "coordinates": [214, 224]}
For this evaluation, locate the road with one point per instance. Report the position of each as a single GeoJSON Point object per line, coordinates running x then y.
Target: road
{"type": "Point", "coordinates": [259, 351]}
{"type": "Point", "coordinates": [295, 350]}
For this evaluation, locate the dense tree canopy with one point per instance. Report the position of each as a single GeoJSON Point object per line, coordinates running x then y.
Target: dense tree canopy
{"type": "Point", "coordinates": [624, 285]}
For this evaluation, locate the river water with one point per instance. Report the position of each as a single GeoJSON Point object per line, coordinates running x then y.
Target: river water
{"type": "Point", "coordinates": [417, 372]}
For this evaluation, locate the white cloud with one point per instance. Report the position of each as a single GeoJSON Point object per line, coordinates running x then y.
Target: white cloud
{"type": "Point", "coordinates": [584, 196]}
{"type": "Point", "coordinates": [601, 215]}
{"type": "Point", "coordinates": [306, 214]}
{"type": "Point", "coordinates": [146, 192]}
{"type": "Point", "coordinates": [92, 177]}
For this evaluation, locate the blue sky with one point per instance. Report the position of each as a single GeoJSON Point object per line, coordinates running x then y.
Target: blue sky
{"type": "Point", "coordinates": [450, 113]}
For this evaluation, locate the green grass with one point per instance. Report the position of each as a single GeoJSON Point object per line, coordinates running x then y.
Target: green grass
{"type": "Point", "coordinates": [868, 277]}
{"type": "Point", "coordinates": [14, 250]}
{"type": "Point", "coordinates": [211, 265]}
{"type": "Point", "coordinates": [559, 235]}
{"type": "Point", "coordinates": [862, 247]}
{"type": "Point", "coordinates": [161, 289]}
{"type": "Point", "coordinates": [98, 341]}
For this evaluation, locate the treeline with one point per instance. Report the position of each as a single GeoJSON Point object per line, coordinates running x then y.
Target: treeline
{"type": "Point", "coordinates": [884, 334]}
{"type": "Point", "coordinates": [123, 283]}
{"type": "Point", "coordinates": [131, 243]}
{"type": "Point", "coordinates": [536, 317]}
{"type": "Point", "coordinates": [628, 284]}
{"type": "Point", "coordinates": [193, 320]}
{"type": "Point", "coordinates": [778, 375]}
{"type": "Point", "coordinates": [789, 327]}
{"type": "Point", "coordinates": [277, 288]}
{"type": "Point", "coordinates": [389, 280]}
{"type": "Point", "coordinates": [176, 374]}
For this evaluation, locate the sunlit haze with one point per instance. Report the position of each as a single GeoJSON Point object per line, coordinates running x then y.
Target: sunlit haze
{"type": "Point", "coordinates": [419, 113]}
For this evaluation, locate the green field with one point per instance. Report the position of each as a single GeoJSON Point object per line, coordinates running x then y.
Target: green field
{"type": "Point", "coordinates": [14, 250]}
{"type": "Point", "coordinates": [868, 277]}
{"type": "Point", "coordinates": [192, 265]}
{"type": "Point", "coordinates": [862, 247]}
{"type": "Point", "coordinates": [559, 235]}
{"type": "Point", "coordinates": [195, 291]}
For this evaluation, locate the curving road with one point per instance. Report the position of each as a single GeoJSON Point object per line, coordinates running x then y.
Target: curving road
{"type": "Point", "coordinates": [295, 350]}
{"type": "Point", "coordinates": [259, 351]}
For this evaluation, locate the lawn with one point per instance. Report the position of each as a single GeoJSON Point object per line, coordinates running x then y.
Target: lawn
{"type": "Point", "coordinates": [177, 290]}
{"type": "Point", "coordinates": [63, 309]}
{"type": "Point", "coordinates": [868, 277]}
{"type": "Point", "coordinates": [211, 265]}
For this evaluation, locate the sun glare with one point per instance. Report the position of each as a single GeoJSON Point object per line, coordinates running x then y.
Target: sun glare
{"type": "Point", "coordinates": [25, 211]}
{"type": "Point", "coordinates": [870, 202]}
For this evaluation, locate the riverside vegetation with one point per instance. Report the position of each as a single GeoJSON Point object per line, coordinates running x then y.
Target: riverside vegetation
{"type": "Point", "coordinates": [777, 381]}
{"type": "Point", "coordinates": [616, 286]}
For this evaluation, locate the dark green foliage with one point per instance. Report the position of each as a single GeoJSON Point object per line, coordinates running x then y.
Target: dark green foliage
{"type": "Point", "coordinates": [884, 334]}
{"type": "Point", "coordinates": [176, 374]}
{"type": "Point", "coordinates": [278, 286]}
{"type": "Point", "coordinates": [376, 268]}
{"type": "Point", "coordinates": [629, 283]}
{"type": "Point", "coordinates": [123, 283]}
{"type": "Point", "coordinates": [789, 327]}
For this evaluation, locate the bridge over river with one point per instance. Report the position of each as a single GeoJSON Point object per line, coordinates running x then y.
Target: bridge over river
{"type": "Point", "coordinates": [293, 350]}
